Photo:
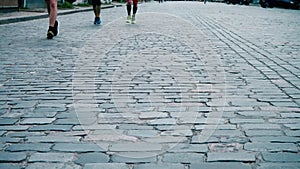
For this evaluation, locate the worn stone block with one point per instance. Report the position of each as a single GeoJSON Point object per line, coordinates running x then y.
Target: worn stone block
{"type": "Point", "coordinates": [238, 156]}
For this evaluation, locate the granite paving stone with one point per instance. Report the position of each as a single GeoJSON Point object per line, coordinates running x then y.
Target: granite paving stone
{"type": "Point", "coordinates": [10, 166]}
{"type": "Point", "coordinates": [153, 115]}
{"type": "Point", "coordinates": [227, 133]}
{"type": "Point", "coordinates": [258, 114]}
{"type": "Point", "coordinates": [261, 126]}
{"type": "Point", "coordinates": [285, 120]}
{"type": "Point", "coordinates": [166, 121]}
{"type": "Point", "coordinates": [246, 120]}
{"type": "Point", "coordinates": [79, 147]}
{"type": "Point", "coordinates": [10, 140]}
{"type": "Point", "coordinates": [51, 157]}
{"type": "Point", "coordinates": [39, 165]}
{"type": "Point", "coordinates": [87, 158]}
{"type": "Point", "coordinates": [182, 157]}
{"type": "Point", "coordinates": [281, 157]}
{"type": "Point", "coordinates": [23, 134]}
{"type": "Point", "coordinates": [252, 133]}
{"type": "Point", "coordinates": [234, 156]}
{"type": "Point", "coordinates": [177, 133]}
{"type": "Point", "coordinates": [8, 121]}
{"type": "Point", "coordinates": [143, 133]}
{"type": "Point", "coordinates": [159, 166]}
{"type": "Point", "coordinates": [293, 126]}
{"type": "Point", "coordinates": [2, 145]}
{"type": "Point", "coordinates": [165, 139]}
{"type": "Point", "coordinates": [12, 156]}
{"type": "Point", "coordinates": [37, 121]}
{"type": "Point", "coordinates": [188, 148]}
{"type": "Point", "coordinates": [95, 127]}
{"type": "Point", "coordinates": [52, 139]}
{"type": "Point", "coordinates": [134, 127]}
{"type": "Point", "coordinates": [50, 127]}
{"type": "Point", "coordinates": [290, 115]}
{"type": "Point", "coordinates": [271, 147]}
{"type": "Point", "coordinates": [134, 157]}
{"type": "Point", "coordinates": [294, 133]}
{"type": "Point", "coordinates": [218, 165]}
{"type": "Point", "coordinates": [40, 147]}
{"type": "Point", "coordinates": [133, 147]}
{"type": "Point", "coordinates": [241, 140]}
{"type": "Point", "coordinates": [275, 139]}
{"type": "Point", "coordinates": [14, 128]}
{"type": "Point", "coordinates": [278, 166]}
{"type": "Point", "coordinates": [106, 166]}
{"type": "Point", "coordinates": [67, 121]}
{"type": "Point", "coordinates": [198, 139]}
{"type": "Point", "coordinates": [218, 127]}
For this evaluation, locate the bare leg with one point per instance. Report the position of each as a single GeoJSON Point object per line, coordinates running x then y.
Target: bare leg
{"type": "Point", "coordinates": [52, 11]}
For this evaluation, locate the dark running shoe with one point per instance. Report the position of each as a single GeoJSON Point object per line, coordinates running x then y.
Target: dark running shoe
{"type": "Point", "coordinates": [97, 21]}
{"type": "Point", "coordinates": [56, 28]}
{"type": "Point", "coordinates": [51, 32]}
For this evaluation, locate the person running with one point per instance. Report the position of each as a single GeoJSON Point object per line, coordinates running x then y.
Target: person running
{"type": "Point", "coordinates": [53, 23]}
{"type": "Point", "coordinates": [97, 10]}
{"type": "Point", "coordinates": [129, 17]}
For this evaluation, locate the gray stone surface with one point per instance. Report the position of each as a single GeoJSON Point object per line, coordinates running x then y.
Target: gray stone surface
{"type": "Point", "coordinates": [275, 139]}
{"type": "Point", "coordinates": [51, 127]}
{"type": "Point", "coordinates": [8, 121]}
{"type": "Point", "coordinates": [134, 147]}
{"type": "Point", "coordinates": [218, 165]}
{"type": "Point", "coordinates": [106, 166]}
{"type": "Point", "coordinates": [40, 147]}
{"type": "Point", "coordinates": [52, 139]}
{"type": "Point", "coordinates": [177, 148]}
{"type": "Point", "coordinates": [278, 166]}
{"type": "Point", "coordinates": [12, 157]}
{"type": "Point", "coordinates": [78, 147]}
{"type": "Point", "coordinates": [10, 166]}
{"type": "Point", "coordinates": [159, 166]}
{"type": "Point", "coordinates": [86, 158]}
{"type": "Point", "coordinates": [134, 157]}
{"type": "Point", "coordinates": [240, 156]}
{"type": "Point", "coordinates": [271, 147]}
{"type": "Point", "coordinates": [252, 133]}
{"type": "Point", "coordinates": [189, 81]}
{"type": "Point", "coordinates": [183, 157]}
{"type": "Point", "coordinates": [39, 165]}
{"type": "Point", "coordinates": [51, 157]}
{"type": "Point", "coordinates": [281, 157]}
{"type": "Point", "coordinates": [37, 121]}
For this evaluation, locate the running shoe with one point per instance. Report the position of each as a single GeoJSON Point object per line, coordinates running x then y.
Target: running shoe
{"type": "Point", "coordinates": [97, 21]}
{"type": "Point", "coordinates": [50, 33]}
{"type": "Point", "coordinates": [56, 28]}
{"type": "Point", "coordinates": [128, 19]}
{"type": "Point", "coordinates": [133, 20]}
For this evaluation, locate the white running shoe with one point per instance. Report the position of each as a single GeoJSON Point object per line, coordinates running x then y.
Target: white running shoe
{"type": "Point", "coordinates": [133, 20]}
{"type": "Point", "coordinates": [128, 19]}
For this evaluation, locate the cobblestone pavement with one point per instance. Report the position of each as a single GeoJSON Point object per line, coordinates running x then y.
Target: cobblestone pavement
{"type": "Point", "coordinates": [189, 86]}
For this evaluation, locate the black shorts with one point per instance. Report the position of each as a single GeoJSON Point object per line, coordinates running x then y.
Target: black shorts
{"type": "Point", "coordinates": [96, 2]}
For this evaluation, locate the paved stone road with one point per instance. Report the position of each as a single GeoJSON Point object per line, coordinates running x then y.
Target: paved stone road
{"type": "Point", "coordinates": [189, 86]}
